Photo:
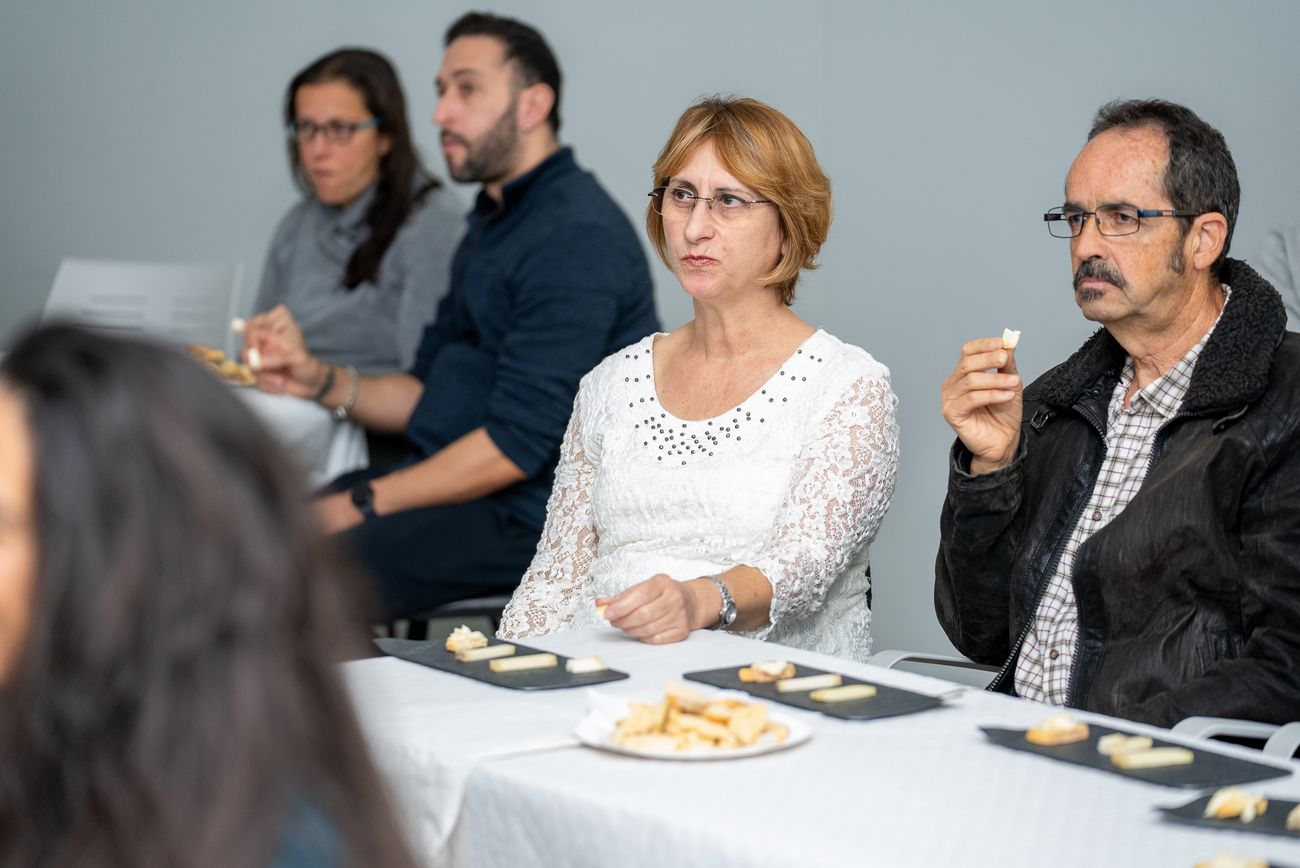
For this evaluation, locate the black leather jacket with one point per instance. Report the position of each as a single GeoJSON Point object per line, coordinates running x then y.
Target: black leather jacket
{"type": "Point", "coordinates": [1188, 600]}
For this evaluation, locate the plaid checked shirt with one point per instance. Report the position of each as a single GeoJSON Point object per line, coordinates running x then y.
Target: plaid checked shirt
{"type": "Point", "coordinates": [1047, 655]}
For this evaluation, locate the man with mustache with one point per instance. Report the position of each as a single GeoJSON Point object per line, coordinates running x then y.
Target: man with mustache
{"type": "Point", "coordinates": [549, 278]}
{"type": "Point", "coordinates": [1123, 534]}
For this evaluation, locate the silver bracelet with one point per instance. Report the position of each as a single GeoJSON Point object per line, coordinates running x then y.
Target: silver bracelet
{"type": "Point", "coordinates": [342, 411]}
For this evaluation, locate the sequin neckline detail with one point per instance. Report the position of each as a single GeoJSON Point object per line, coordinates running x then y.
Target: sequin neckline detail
{"type": "Point", "coordinates": [675, 440]}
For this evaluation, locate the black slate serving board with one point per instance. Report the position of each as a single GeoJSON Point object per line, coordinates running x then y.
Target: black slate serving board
{"type": "Point", "coordinates": [888, 701]}
{"type": "Point", "coordinates": [435, 656]}
{"type": "Point", "coordinates": [1207, 769]}
{"type": "Point", "coordinates": [1271, 822]}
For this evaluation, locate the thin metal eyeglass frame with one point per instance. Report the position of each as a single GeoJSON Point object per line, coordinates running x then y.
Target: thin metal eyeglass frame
{"type": "Point", "coordinates": [656, 201]}
{"type": "Point", "coordinates": [323, 130]}
{"type": "Point", "coordinates": [1060, 215]}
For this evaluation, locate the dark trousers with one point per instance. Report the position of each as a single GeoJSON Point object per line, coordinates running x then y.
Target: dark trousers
{"type": "Point", "coordinates": [422, 558]}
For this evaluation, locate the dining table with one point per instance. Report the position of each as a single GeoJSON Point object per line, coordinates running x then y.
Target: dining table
{"type": "Point", "coordinates": [484, 776]}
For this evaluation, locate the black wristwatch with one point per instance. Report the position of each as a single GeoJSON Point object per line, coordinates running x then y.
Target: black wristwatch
{"type": "Point", "coordinates": [363, 498]}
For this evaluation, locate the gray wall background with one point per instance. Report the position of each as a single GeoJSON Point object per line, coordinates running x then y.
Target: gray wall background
{"type": "Point", "coordinates": [150, 129]}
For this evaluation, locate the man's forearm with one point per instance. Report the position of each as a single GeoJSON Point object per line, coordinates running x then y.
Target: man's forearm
{"type": "Point", "coordinates": [383, 403]}
{"type": "Point", "coordinates": [467, 469]}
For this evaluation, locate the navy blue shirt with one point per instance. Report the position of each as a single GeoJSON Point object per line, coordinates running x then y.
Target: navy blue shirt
{"type": "Point", "coordinates": [544, 285]}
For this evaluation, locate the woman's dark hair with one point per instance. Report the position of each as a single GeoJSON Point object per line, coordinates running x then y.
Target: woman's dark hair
{"type": "Point", "coordinates": [177, 701]}
{"type": "Point", "coordinates": [373, 77]}
{"type": "Point", "coordinates": [533, 58]}
{"type": "Point", "coordinates": [1200, 176]}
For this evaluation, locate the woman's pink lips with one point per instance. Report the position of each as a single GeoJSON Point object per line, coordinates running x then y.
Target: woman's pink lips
{"type": "Point", "coordinates": [698, 260]}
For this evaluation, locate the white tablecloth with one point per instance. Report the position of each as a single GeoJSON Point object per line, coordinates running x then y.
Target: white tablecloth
{"type": "Point", "coordinates": [492, 777]}
{"type": "Point", "coordinates": [323, 446]}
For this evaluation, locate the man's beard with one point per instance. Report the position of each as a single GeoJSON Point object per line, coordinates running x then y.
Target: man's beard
{"type": "Point", "coordinates": [491, 158]}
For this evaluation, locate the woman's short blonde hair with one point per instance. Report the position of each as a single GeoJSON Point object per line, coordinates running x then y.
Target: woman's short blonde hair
{"type": "Point", "coordinates": [766, 152]}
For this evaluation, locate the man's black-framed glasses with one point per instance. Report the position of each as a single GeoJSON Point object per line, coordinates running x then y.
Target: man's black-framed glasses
{"type": "Point", "coordinates": [679, 202]}
{"type": "Point", "coordinates": [1111, 219]}
{"type": "Point", "coordinates": [336, 132]}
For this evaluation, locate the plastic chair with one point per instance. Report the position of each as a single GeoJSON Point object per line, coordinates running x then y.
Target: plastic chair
{"type": "Point", "coordinates": [490, 607]}
{"type": "Point", "coordinates": [1279, 741]}
{"type": "Point", "coordinates": [182, 303]}
{"type": "Point", "coordinates": [891, 658]}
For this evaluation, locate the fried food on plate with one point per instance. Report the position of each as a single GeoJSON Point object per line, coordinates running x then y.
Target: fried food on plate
{"type": "Point", "coordinates": [686, 721]}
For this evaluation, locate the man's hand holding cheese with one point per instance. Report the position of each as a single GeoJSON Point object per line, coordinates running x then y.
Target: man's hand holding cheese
{"type": "Point", "coordinates": [982, 401]}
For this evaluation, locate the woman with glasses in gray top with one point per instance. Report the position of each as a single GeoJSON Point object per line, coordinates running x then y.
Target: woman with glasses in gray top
{"type": "Point", "coordinates": [363, 259]}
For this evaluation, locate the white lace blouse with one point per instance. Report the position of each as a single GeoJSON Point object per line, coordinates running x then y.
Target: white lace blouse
{"type": "Point", "coordinates": [793, 482]}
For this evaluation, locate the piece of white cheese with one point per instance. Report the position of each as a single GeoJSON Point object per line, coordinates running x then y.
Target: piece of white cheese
{"type": "Point", "coordinates": [237, 325]}
{"type": "Point", "coordinates": [809, 682]}
{"type": "Point", "coordinates": [1010, 338]}
{"type": "Point", "coordinates": [845, 693]}
{"type": "Point", "coordinates": [470, 655]}
{"type": "Point", "coordinates": [1117, 743]}
{"type": "Point", "coordinates": [1155, 758]}
{"type": "Point", "coordinates": [528, 661]}
{"type": "Point", "coordinates": [583, 665]}
{"type": "Point", "coordinates": [772, 668]}
{"type": "Point", "coordinates": [463, 638]}
{"type": "Point", "coordinates": [254, 359]}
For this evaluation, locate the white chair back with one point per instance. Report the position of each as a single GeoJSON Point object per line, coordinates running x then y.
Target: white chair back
{"type": "Point", "coordinates": [183, 303]}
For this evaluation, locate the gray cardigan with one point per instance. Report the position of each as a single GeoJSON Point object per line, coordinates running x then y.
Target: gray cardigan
{"type": "Point", "coordinates": [375, 328]}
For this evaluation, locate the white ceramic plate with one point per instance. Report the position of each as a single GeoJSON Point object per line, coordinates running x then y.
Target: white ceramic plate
{"type": "Point", "coordinates": [595, 729]}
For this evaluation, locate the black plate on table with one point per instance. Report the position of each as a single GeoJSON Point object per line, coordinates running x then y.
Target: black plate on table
{"type": "Point", "coordinates": [1207, 769]}
{"type": "Point", "coordinates": [1271, 822]}
{"type": "Point", "coordinates": [434, 655]}
{"type": "Point", "coordinates": [888, 701]}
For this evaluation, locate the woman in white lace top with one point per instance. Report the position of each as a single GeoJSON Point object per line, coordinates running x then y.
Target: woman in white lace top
{"type": "Point", "coordinates": [733, 472]}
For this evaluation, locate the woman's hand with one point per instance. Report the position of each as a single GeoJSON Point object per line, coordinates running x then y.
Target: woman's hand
{"type": "Point", "coordinates": [285, 365]}
{"type": "Point", "coordinates": [662, 610]}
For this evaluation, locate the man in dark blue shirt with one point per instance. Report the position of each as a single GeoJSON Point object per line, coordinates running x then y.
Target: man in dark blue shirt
{"type": "Point", "coordinates": [549, 279]}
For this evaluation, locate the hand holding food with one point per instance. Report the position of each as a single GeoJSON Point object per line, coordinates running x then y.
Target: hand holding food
{"type": "Point", "coordinates": [658, 611]}
{"type": "Point", "coordinates": [275, 342]}
{"type": "Point", "coordinates": [982, 399]}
